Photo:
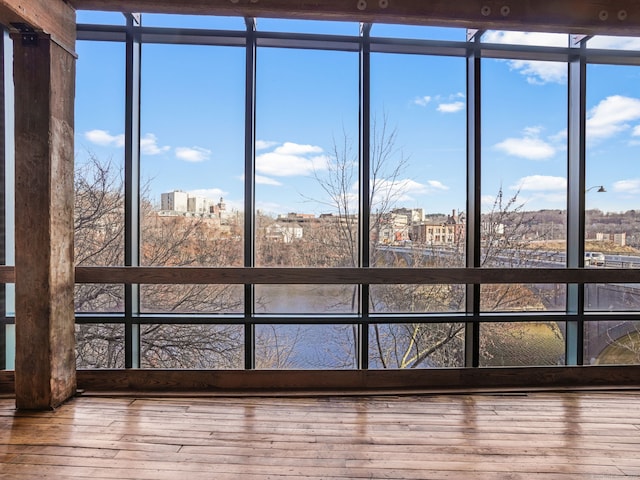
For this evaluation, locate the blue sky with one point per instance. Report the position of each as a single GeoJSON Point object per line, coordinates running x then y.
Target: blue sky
{"type": "Point", "coordinates": [193, 123]}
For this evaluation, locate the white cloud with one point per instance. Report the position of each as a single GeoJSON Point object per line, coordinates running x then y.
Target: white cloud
{"type": "Point", "coordinates": [149, 145]}
{"type": "Point", "coordinates": [422, 101]}
{"type": "Point", "coordinates": [192, 154]}
{"type": "Point", "coordinates": [529, 146]}
{"type": "Point", "coordinates": [527, 38]}
{"type": "Point", "coordinates": [618, 43]}
{"type": "Point", "coordinates": [631, 186]}
{"type": "Point", "coordinates": [451, 107]}
{"type": "Point", "coordinates": [104, 138]}
{"type": "Point", "coordinates": [290, 148]}
{"type": "Point", "coordinates": [540, 183]}
{"type": "Point", "coordinates": [611, 116]}
{"type": "Point", "coordinates": [401, 190]}
{"type": "Point", "coordinates": [262, 180]}
{"type": "Point", "coordinates": [292, 159]}
{"type": "Point", "coordinates": [540, 73]}
{"type": "Point", "coordinates": [536, 72]}
{"type": "Point", "coordinates": [636, 131]}
{"type": "Point", "coordinates": [211, 193]}
{"type": "Point", "coordinates": [436, 185]}
{"type": "Point", "coordinates": [264, 144]}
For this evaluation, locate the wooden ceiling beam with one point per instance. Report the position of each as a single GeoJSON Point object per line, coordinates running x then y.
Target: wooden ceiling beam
{"type": "Point", "coordinates": [57, 18]}
{"type": "Point", "coordinates": [621, 17]}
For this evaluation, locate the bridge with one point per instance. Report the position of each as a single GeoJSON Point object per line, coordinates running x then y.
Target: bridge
{"type": "Point", "coordinates": [601, 335]}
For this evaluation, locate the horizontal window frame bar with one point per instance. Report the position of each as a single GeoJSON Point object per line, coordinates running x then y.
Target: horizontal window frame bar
{"type": "Point", "coordinates": [349, 276]}
{"type": "Point", "coordinates": [314, 319]}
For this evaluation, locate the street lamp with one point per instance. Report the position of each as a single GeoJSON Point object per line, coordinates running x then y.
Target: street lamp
{"type": "Point", "coordinates": [600, 188]}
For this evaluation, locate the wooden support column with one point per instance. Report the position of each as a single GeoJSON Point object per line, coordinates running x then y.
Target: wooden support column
{"type": "Point", "coordinates": [44, 76]}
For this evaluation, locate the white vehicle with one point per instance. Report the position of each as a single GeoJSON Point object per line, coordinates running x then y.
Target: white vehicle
{"type": "Point", "coordinates": [595, 259]}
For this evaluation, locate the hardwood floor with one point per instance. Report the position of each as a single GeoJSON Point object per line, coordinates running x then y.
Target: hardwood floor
{"type": "Point", "coordinates": [580, 435]}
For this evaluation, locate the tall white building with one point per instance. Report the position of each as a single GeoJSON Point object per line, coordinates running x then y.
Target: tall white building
{"type": "Point", "coordinates": [177, 201]}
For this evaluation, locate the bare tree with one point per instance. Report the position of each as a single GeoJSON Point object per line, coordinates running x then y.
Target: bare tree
{"type": "Point", "coordinates": [175, 241]}
{"type": "Point", "coordinates": [418, 344]}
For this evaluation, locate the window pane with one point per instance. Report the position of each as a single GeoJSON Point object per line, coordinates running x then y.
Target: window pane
{"type": "Point", "coordinates": [305, 346]}
{"type": "Point", "coordinates": [418, 161]}
{"type": "Point", "coordinates": [192, 21]}
{"type": "Point", "coordinates": [416, 345]}
{"type": "Point", "coordinates": [417, 298]}
{"type": "Point", "coordinates": [614, 43]}
{"type": "Point", "coordinates": [99, 298]}
{"type": "Point", "coordinates": [612, 297]}
{"type": "Point", "coordinates": [543, 39]}
{"type": "Point", "coordinates": [521, 344]}
{"type": "Point", "coordinates": [192, 346]}
{"type": "Point", "coordinates": [307, 26]}
{"type": "Point", "coordinates": [612, 229]}
{"type": "Point", "coordinates": [306, 158]}
{"type": "Point", "coordinates": [100, 345]}
{"type": "Point", "coordinates": [191, 299]}
{"type": "Point", "coordinates": [419, 32]}
{"type": "Point", "coordinates": [523, 297]}
{"type": "Point", "coordinates": [612, 342]}
{"type": "Point", "coordinates": [524, 163]}
{"type": "Point", "coordinates": [306, 299]}
{"type": "Point", "coordinates": [10, 346]}
{"type": "Point", "coordinates": [99, 156]}
{"type": "Point", "coordinates": [94, 17]}
{"type": "Point", "coordinates": [192, 155]}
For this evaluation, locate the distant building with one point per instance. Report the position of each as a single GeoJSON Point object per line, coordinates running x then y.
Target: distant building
{"type": "Point", "coordinates": [280, 233]}
{"type": "Point", "coordinates": [619, 239]}
{"type": "Point", "coordinates": [296, 217]}
{"type": "Point", "coordinates": [451, 231]}
{"type": "Point", "coordinates": [177, 201]}
{"type": "Point", "coordinates": [199, 205]}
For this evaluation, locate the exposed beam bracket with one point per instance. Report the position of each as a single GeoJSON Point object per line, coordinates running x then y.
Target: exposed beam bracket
{"type": "Point", "coordinates": [27, 33]}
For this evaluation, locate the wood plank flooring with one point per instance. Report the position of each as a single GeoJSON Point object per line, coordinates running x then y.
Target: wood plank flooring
{"type": "Point", "coordinates": [579, 435]}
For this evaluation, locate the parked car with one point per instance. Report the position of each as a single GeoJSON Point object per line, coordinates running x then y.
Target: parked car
{"type": "Point", "coordinates": [595, 259]}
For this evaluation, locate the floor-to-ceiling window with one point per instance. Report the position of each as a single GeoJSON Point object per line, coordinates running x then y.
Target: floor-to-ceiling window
{"type": "Point", "coordinates": [213, 142]}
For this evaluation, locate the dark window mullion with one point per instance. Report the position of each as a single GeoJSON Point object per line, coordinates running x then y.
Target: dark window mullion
{"type": "Point", "coordinates": [364, 214]}
{"type": "Point", "coordinates": [473, 250]}
{"type": "Point", "coordinates": [249, 190]}
{"type": "Point", "coordinates": [576, 203]}
{"type": "Point", "coordinates": [132, 187]}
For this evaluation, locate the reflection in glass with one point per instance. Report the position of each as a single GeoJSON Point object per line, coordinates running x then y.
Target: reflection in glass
{"type": "Point", "coordinates": [192, 346]}
{"type": "Point", "coordinates": [416, 345]}
{"type": "Point", "coordinates": [521, 344]}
